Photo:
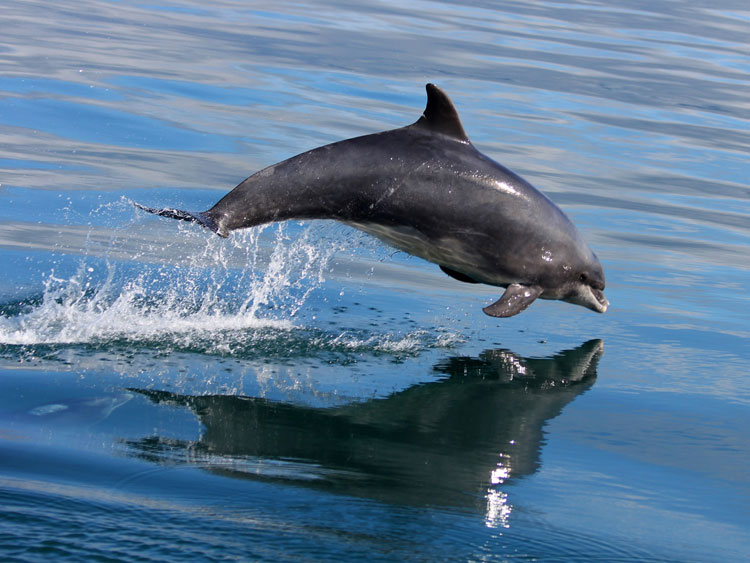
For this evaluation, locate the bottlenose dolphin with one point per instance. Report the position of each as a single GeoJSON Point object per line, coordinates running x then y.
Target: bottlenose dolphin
{"type": "Point", "coordinates": [427, 191]}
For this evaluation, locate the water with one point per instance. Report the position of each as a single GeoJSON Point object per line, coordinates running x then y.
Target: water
{"type": "Point", "coordinates": [301, 392]}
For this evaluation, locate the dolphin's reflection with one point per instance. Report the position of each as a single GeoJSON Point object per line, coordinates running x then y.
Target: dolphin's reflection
{"type": "Point", "coordinates": [449, 442]}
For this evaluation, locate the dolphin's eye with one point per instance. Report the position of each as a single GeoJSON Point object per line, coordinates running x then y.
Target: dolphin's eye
{"type": "Point", "coordinates": [583, 277]}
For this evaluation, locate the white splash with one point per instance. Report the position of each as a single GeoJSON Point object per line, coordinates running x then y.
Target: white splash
{"type": "Point", "coordinates": [96, 304]}
{"type": "Point", "coordinates": [193, 292]}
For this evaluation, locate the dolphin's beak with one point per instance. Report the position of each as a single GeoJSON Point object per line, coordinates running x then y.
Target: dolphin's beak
{"type": "Point", "coordinates": [598, 302]}
{"type": "Point", "coordinates": [589, 297]}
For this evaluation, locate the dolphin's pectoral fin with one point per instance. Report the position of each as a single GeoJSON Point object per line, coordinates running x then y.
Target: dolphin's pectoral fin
{"type": "Point", "coordinates": [203, 218]}
{"type": "Point", "coordinates": [515, 299]}
{"type": "Point", "coordinates": [458, 275]}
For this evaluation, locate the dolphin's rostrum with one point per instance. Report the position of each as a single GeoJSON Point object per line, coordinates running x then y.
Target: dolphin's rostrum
{"type": "Point", "coordinates": [427, 191]}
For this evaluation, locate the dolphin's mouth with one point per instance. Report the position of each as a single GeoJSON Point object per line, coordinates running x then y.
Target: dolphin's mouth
{"type": "Point", "coordinates": [587, 296]}
{"type": "Point", "coordinates": [601, 303]}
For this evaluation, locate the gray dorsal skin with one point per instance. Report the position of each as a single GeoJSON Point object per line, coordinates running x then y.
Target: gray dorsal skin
{"type": "Point", "coordinates": [426, 190]}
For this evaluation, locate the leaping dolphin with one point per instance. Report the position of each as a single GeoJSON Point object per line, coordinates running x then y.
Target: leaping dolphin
{"type": "Point", "coordinates": [427, 191]}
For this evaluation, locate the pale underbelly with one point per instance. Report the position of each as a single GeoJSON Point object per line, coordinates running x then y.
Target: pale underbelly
{"type": "Point", "coordinates": [445, 251]}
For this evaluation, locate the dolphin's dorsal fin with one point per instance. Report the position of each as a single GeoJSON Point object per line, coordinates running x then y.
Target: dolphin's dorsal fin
{"type": "Point", "coordinates": [440, 115]}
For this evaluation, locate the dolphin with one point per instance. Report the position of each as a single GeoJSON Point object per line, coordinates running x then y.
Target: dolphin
{"type": "Point", "coordinates": [426, 190]}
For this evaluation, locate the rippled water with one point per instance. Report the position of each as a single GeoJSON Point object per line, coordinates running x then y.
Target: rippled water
{"type": "Point", "coordinates": [300, 391]}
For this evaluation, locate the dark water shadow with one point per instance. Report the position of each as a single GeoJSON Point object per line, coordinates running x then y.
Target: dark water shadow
{"type": "Point", "coordinates": [451, 442]}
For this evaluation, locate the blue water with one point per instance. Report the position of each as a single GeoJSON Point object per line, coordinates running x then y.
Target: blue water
{"type": "Point", "coordinates": [302, 392]}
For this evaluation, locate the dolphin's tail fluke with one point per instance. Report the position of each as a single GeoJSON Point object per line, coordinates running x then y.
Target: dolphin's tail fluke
{"type": "Point", "coordinates": [201, 217]}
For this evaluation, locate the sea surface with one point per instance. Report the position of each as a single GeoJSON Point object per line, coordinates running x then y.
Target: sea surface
{"type": "Point", "coordinates": [301, 392]}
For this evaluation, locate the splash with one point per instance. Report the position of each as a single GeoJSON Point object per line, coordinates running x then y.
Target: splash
{"type": "Point", "coordinates": [239, 297]}
{"type": "Point", "coordinates": [104, 301]}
